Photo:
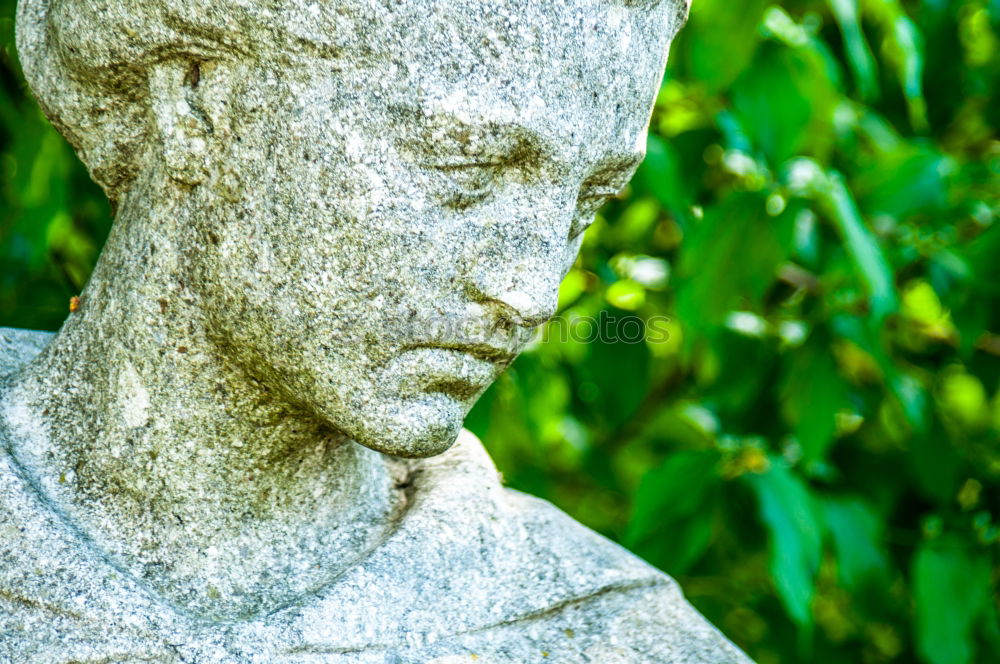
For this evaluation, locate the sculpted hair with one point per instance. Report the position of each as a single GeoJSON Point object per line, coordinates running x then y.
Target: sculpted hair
{"type": "Point", "coordinates": [88, 61]}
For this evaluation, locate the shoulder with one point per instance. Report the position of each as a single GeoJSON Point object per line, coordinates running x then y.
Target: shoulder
{"type": "Point", "coordinates": [59, 602]}
{"type": "Point", "coordinates": [601, 602]}
{"type": "Point", "coordinates": [18, 347]}
{"type": "Point", "coordinates": [534, 524]}
{"type": "Point", "coordinates": [529, 535]}
{"type": "Point", "coordinates": [643, 625]}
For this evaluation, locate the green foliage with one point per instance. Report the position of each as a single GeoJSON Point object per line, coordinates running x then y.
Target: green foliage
{"type": "Point", "coordinates": [53, 218]}
{"type": "Point", "coordinates": [809, 436]}
{"type": "Point", "coordinates": [952, 589]}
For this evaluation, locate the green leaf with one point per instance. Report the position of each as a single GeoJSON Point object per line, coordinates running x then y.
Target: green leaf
{"type": "Point", "coordinates": [905, 182]}
{"type": "Point", "coordinates": [671, 523]}
{"type": "Point", "coordinates": [951, 587]}
{"type": "Point", "coordinates": [856, 531]}
{"type": "Point", "coordinates": [981, 255]}
{"type": "Point", "coordinates": [734, 251]}
{"type": "Point", "coordinates": [675, 489]}
{"type": "Point", "coordinates": [617, 367]}
{"type": "Point", "coordinates": [784, 101]}
{"type": "Point", "coordinates": [788, 512]}
{"type": "Point", "coordinates": [811, 395]}
{"type": "Point", "coordinates": [904, 46]}
{"type": "Point", "coordinates": [727, 38]}
{"type": "Point", "coordinates": [935, 463]}
{"type": "Point", "coordinates": [859, 54]}
{"type": "Point", "coordinates": [831, 192]}
{"type": "Point", "coordinates": [863, 248]}
{"type": "Point", "coordinates": [660, 174]}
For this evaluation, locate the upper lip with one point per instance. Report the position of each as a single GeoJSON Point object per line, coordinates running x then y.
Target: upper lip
{"type": "Point", "coordinates": [485, 351]}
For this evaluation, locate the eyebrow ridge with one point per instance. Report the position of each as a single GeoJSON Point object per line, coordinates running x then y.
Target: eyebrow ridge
{"type": "Point", "coordinates": [527, 144]}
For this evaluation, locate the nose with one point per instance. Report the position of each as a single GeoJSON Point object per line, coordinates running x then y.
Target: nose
{"type": "Point", "coordinates": [526, 296]}
{"type": "Point", "coordinates": [513, 264]}
{"type": "Point", "coordinates": [524, 310]}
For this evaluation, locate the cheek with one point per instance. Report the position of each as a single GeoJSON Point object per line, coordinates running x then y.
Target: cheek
{"type": "Point", "coordinates": [331, 279]}
{"type": "Point", "coordinates": [321, 235]}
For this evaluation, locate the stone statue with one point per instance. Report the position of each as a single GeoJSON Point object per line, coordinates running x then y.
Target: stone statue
{"type": "Point", "coordinates": [337, 222]}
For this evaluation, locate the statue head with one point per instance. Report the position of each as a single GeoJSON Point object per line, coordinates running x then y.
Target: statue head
{"type": "Point", "coordinates": [373, 202]}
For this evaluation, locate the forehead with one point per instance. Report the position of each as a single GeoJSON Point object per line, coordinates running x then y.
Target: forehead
{"type": "Point", "coordinates": [567, 65]}
{"type": "Point", "coordinates": [365, 28]}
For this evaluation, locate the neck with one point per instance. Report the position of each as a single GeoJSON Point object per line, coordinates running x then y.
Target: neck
{"type": "Point", "coordinates": [182, 468]}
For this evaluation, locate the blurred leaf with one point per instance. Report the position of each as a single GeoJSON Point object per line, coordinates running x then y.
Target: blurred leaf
{"type": "Point", "coordinates": [672, 506]}
{"type": "Point", "coordinates": [735, 250]}
{"type": "Point", "coordinates": [677, 488]}
{"type": "Point", "coordinates": [716, 57]}
{"type": "Point", "coordinates": [855, 529]}
{"type": "Point", "coordinates": [783, 101]}
{"type": "Point", "coordinates": [951, 590]}
{"type": "Point", "coordinates": [812, 394]}
{"type": "Point", "coordinates": [905, 182]}
{"type": "Point", "coordinates": [788, 512]}
{"type": "Point", "coordinates": [981, 255]}
{"type": "Point", "coordinates": [660, 175]}
{"type": "Point", "coordinates": [618, 368]}
{"type": "Point", "coordinates": [859, 54]}
{"type": "Point", "coordinates": [904, 48]}
{"type": "Point", "coordinates": [626, 294]}
{"type": "Point", "coordinates": [936, 466]}
{"type": "Point", "coordinates": [836, 200]}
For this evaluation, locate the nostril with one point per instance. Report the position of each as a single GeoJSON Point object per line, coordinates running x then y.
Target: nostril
{"type": "Point", "coordinates": [523, 310]}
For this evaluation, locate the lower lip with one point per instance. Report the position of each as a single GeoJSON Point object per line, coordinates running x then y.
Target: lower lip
{"type": "Point", "coordinates": [453, 372]}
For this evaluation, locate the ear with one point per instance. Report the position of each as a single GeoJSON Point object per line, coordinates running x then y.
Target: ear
{"type": "Point", "coordinates": [182, 128]}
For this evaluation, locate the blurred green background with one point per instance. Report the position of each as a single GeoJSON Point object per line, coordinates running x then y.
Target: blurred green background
{"type": "Point", "coordinates": [813, 448]}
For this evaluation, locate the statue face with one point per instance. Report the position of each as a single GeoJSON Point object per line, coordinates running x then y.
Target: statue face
{"type": "Point", "coordinates": [380, 240]}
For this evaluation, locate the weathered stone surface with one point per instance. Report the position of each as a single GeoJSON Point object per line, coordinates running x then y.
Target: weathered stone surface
{"type": "Point", "coordinates": [337, 223]}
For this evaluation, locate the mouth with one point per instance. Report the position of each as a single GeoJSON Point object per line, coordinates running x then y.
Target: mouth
{"type": "Point", "coordinates": [460, 370]}
{"type": "Point", "coordinates": [491, 353]}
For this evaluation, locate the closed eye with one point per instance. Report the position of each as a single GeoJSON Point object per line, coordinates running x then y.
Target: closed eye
{"type": "Point", "coordinates": [469, 175]}
{"type": "Point", "coordinates": [466, 158]}
{"type": "Point", "coordinates": [462, 184]}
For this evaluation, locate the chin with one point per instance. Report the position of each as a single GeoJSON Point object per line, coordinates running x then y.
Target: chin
{"type": "Point", "coordinates": [411, 428]}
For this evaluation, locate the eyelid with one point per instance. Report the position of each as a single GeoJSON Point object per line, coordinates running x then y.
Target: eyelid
{"type": "Point", "coordinates": [468, 146]}
{"type": "Point", "coordinates": [449, 164]}
{"type": "Point", "coordinates": [467, 181]}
